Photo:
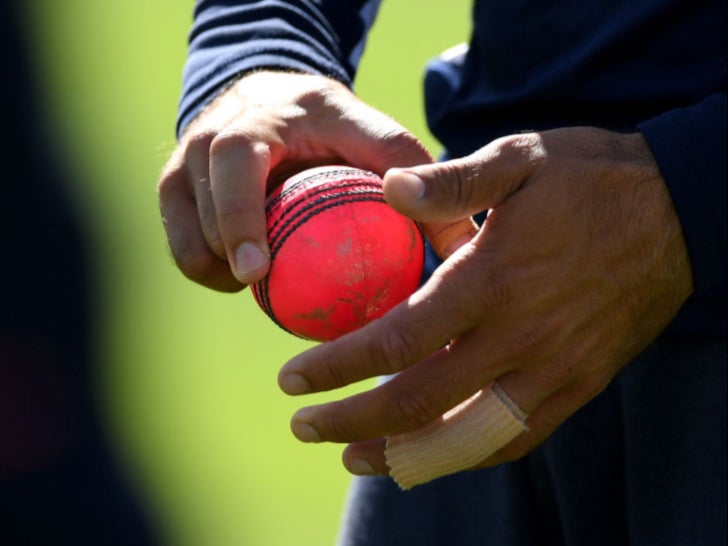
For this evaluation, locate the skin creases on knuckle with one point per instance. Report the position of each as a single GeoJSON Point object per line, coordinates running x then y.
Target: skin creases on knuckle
{"type": "Point", "coordinates": [518, 156]}
{"type": "Point", "coordinates": [412, 407]}
{"type": "Point", "coordinates": [399, 146]}
{"type": "Point", "coordinates": [524, 147]}
{"type": "Point", "coordinates": [394, 350]}
{"type": "Point", "coordinates": [340, 426]}
{"type": "Point", "coordinates": [333, 373]}
{"type": "Point", "coordinates": [397, 138]}
{"type": "Point", "coordinates": [459, 182]}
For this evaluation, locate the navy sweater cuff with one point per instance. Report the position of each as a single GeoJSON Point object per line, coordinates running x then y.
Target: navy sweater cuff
{"type": "Point", "coordinates": [212, 71]}
{"type": "Point", "coordinates": [689, 145]}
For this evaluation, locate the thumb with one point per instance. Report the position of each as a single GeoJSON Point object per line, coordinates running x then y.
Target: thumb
{"type": "Point", "coordinates": [452, 190]}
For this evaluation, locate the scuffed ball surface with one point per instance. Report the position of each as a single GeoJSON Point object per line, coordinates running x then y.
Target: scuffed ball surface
{"type": "Point", "coordinates": [340, 255]}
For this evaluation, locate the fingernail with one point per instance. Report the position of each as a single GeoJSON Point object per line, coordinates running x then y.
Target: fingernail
{"type": "Point", "coordinates": [294, 384]}
{"type": "Point", "coordinates": [411, 184]}
{"type": "Point", "coordinates": [249, 258]}
{"type": "Point", "coordinates": [305, 432]}
{"type": "Point", "coordinates": [360, 467]}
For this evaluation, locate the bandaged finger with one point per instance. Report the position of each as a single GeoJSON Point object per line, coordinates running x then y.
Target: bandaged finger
{"type": "Point", "coordinates": [462, 438]}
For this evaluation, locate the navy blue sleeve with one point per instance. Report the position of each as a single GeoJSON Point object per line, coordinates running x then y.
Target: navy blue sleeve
{"type": "Point", "coordinates": [690, 147]}
{"type": "Point", "coordinates": [228, 38]}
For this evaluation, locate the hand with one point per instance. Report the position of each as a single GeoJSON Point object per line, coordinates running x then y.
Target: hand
{"type": "Point", "coordinates": [263, 128]}
{"type": "Point", "coordinates": [579, 266]}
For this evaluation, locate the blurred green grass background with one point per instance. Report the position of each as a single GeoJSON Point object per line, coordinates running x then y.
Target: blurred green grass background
{"type": "Point", "coordinates": [188, 376]}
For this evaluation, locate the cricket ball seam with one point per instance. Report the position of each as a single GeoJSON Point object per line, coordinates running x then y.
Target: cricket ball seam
{"type": "Point", "coordinates": [312, 179]}
{"type": "Point", "coordinates": [348, 188]}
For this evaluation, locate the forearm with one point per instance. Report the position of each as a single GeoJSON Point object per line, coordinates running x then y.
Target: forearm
{"type": "Point", "coordinates": [323, 37]}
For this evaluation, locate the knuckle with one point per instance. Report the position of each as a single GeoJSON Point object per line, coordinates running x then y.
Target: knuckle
{"type": "Point", "coordinates": [397, 138]}
{"type": "Point", "coordinates": [517, 157]}
{"type": "Point", "coordinates": [340, 427]}
{"type": "Point", "coordinates": [459, 180]}
{"type": "Point", "coordinates": [198, 144]}
{"type": "Point", "coordinates": [524, 147]}
{"type": "Point", "coordinates": [334, 373]}
{"type": "Point", "coordinates": [400, 147]}
{"type": "Point", "coordinates": [166, 183]}
{"type": "Point", "coordinates": [396, 146]}
{"type": "Point", "coordinates": [173, 175]}
{"type": "Point", "coordinates": [320, 95]}
{"type": "Point", "coordinates": [413, 407]}
{"type": "Point", "coordinates": [225, 143]}
{"type": "Point", "coordinates": [398, 347]}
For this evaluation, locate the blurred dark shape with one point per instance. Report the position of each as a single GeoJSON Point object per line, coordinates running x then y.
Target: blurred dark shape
{"type": "Point", "coordinates": [59, 480]}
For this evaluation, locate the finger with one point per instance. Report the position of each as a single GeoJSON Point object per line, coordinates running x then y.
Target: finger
{"type": "Point", "coordinates": [452, 190]}
{"type": "Point", "coordinates": [197, 159]}
{"type": "Point", "coordinates": [549, 414]}
{"type": "Point", "coordinates": [366, 458]}
{"type": "Point", "coordinates": [238, 175]}
{"type": "Point", "coordinates": [461, 438]}
{"type": "Point", "coordinates": [409, 333]}
{"type": "Point", "coordinates": [186, 241]}
{"type": "Point", "coordinates": [364, 137]}
{"type": "Point", "coordinates": [369, 457]}
{"type": "Point", "coordinates": [447, 238]}
{"type": "Point", "coordinates": [464, 436]}
{"type": "Point", "coordinates": [416, 396]}
{"type": "Point", "coordinates": [424, 392]}
{"type": "Point", "coordinates": [447, 440]}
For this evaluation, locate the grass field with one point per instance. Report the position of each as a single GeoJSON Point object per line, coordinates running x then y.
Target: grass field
{"type": "Point", "coordinates": [187, 375]}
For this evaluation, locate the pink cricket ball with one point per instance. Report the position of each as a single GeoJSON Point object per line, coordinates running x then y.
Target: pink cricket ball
{"type": "Point", "coordinates": [340, 255]}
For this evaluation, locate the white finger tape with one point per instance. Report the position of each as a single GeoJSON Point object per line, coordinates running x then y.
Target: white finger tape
{"type": "Point", "coordinates": [460, 439]}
